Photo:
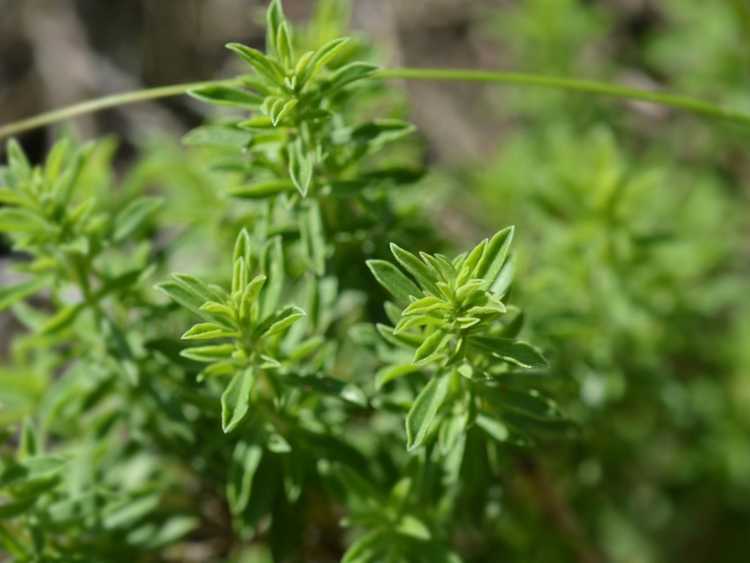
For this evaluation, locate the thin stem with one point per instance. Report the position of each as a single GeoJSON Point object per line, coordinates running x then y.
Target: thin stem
{"type": "Point", "coordinates": [98, 104]}
{"type": "Point", "coordinates": [685, 103]}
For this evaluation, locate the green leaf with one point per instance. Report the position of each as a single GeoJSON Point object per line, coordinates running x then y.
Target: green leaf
{"type": "Point", "coordinates": [16, 220]}
{"type": "Point", "coordinates": [219, 136]}
{"type": "Point", "coordinates": [13, 198]}
{"type": "Point", "coordinates": [191, 293]}
{"type": "Point", "coordinates": [502, 283]}
{"type": "Point", "coordinates": [285, 319]}
{"type": "Point", "coordinates": [323, 56]}
{"type": "Point", "coordinates": [133, 217]}
{"type": "Point", "coordinates": [173, 529]}
{"type": "Point", "coordinates": [380, 131]}
{"type": "Point", "coordinates": [330, 386]}
{"type": "Point", "coordinates": [248, 307]}
{"type": "Point", "coordinates": [283, 42]}
{"type": "Point", "coordinates": [263, 65]}
{"type": "Point", "coordinates": [220, 95]}
{"type": "Point", "coordinates": [301, 165]}
{"type": "Point", "coordinates": [430, 347]}
{"type": "Point", "coordinates": [64, 184]}
{"type": "Point", "coordinates": [274, 19]}
{"type": "Point", "coordinates": [18, 164]}
{"type": "Point", "coordinates": [182, 295]}
{"type": "Point", "coordinates": [29, 444]}
{"type": "Point", "coordinates": [494, 257]}
{"type": "Point", "coordinates": [209, 354]}
{"type": "Point", "coordinates": [127, 513]}
{"type": "Point", "coordinates": [278, 113]}
{"type": "Point", "coordinates": [56, 159]}
{"type": "Point", "coordinates": [235, 401]}
{"type": "Point", "coordinates": [62, 319]}
{"type": "Point", "coordinates": [245, 461]}
{"type": "Point", "coordinates": [391, 278]}
{"type": "Point", "coordinates": [401, 339]}
{"type": "Point", "coordinates": [494, 428]}
{"type": "Point", "coordinates": [12, 294]}
{"type": "Point", "coordinates": [451, 431]}
{"type": "Point", "coordinates": [242, 247]}
{"type": "Point", "coordinates": [426, 305]}
{"type": "Point", "coordinates": [367, 548]}
{"type": "Point", "coordinates": [275, 270]}
{"type": "Point", "coordinates": [391, 373]}
{"type": "Point", "coordinates": [529, 403]}
{"type": "Point", "coordinates": [240, 275]}
{"type": "Point", "coordinates": [470, 262]}
{"type": "Point", "coordinates": [423, 411]}
{"type": "Point", "coordinates": [514, 351]}
{"type": "Point", "coordinates": [207, 331]}
{"type": "Point", "coordinates": [421, 272]}
{"type": "Point", "coordinates": [16, 508]}
{"type": "Point", "coordinates": [413, 527]}
{"type": "Point", "coordinates": [311, 231]}
{"type": "Point", "coordinates": [262, 190]}
{"type": "Point", "coordinates": [199, 288]}
{"type": "Point", "coordinates": [349, 74]}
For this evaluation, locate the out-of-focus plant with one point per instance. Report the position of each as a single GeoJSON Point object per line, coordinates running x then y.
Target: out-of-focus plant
{"type": "Point", "coordinates": [632, 266]}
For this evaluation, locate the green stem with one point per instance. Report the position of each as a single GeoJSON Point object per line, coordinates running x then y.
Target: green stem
{"type": "Point", "coordinates": [685, 103]}
{"type": "Point", "coordinates": [98, 104]}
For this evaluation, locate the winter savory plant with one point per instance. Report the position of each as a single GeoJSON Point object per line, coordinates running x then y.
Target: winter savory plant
{"type": "Point", "coordinates": [319, 384]}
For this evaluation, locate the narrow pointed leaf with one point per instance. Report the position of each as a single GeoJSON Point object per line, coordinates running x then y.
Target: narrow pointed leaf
{"type": "Point", "coordinates": [226, 96]}
{"type": "Point", "coordinates": [391, 278]}
{"type": "Point", "coordinates": [514, 351]}
{"type": "Point", "coordinates": [134, 215]}
{"type": "Point", "coordinates": [208, 354]}
{"type": "Point", "coordinates": [423, 411]}
{"type": "Point", "coordinates": [421, 272]}
{"type": "Point", "coordinates": [494, 256]}
{"type": "Point", "coordinates": [235, 401]}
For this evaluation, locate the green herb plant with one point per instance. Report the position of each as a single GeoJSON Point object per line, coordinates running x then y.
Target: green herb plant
{"type": "Point", "coordinates": [327, 377]}
{"type": "Point", "coordinates": [301, 416]}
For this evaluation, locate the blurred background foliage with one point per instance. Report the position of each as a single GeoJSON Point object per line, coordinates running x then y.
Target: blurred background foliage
{"type": "Point", "coordinates": [632, 224]}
